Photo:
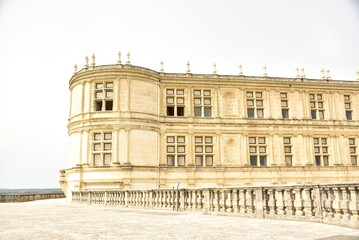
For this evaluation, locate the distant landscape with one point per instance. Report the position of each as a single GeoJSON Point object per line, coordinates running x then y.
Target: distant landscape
{"type": "Point", "coordinates": [29, 190]}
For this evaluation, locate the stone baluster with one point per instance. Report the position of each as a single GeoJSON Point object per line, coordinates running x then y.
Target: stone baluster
{"type": "Point", "coordinates": [298, 202]}
{"type": "Point", "coordinates": [272, 202]}
{"type": "Point", "coordinates": [200, 199]}
{"type": "Point", "coordinates": [242, 201]}
{"type": "Point", "coordinates": [194, 199]}
{"type": "Point", "coordinates": [222, 201]}
{"type": "Point", "coordinates": [354, 205]}
{"type": "Point", "coordinates": [249, 202]}
{"type": "Point", "coordinates": [216, 206]}
{"type": "Point", "coordinates": [345, 203]}
{"type": "Point", "coordinates": [279, 201]}
{"type": "Point", "coordinates": [308, 202]}
{"type": "Point", "coordinates": [235, 201]}
{"type": "Point", "coordinates": [336, 204]}
{"type": "Point", "coordinates": [229, 201]}
{"type": "Point", "coordinates": [182, 200]}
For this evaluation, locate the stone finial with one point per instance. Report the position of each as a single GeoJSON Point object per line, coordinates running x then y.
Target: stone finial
{"type": "Point", "coordinates": [214, 68]}
{"type": "Point", "coordinates": [357, 75]}
{"type": "Point", "coordinates": [188, 67]}
{"type": "Point", "coordinates": [93, 60]}
{"type": "Point", "coordinates": [297, 72]}
{"type": "Point", "coordinates": [240, 69]}
{"type": "Point", "coordinates": [75, 68]}
{"type": "Point", "coordinates": [322, 74]}
{"type": "Point", "coordinates": [86, 62]}
{"type": "Point", "coordinates": [161, 66]}
{"type": "Point", "coordinates": [327, 74]}
{"type": "Point", "coordinates": [265, 74]}
{"type": "Point", "coordinates": [302, 73]}
{"type": "Point", "coordinates": [119, 58]}
{"type": "Point", "coordinates": [128, 58]}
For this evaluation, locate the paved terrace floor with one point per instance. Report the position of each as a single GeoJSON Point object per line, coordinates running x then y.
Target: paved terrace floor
{"type": "Point", "coordinates": [55, 219]}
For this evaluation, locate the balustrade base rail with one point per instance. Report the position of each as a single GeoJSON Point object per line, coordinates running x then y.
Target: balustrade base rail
{"type": "Point", "coordinates": [332, 203]}
{"type": "Point", "coordinates": [25, 197]}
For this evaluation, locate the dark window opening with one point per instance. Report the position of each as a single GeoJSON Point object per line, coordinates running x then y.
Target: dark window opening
{"type": "Point", "coordinates": [253, 160]}
{"type": "Point", "coordinates": [314, 114]}
{"type": "Point", "coordinates": [109, 105]}
{"type": "Point", "coordinates": [263, 160]}
{"type": "Point", "coordinates": [180, 111]}
{"type": "Point", "coordinates": [98, 106]}
{"type": "Point", "coordinates": [170, 111]}
{"type": "Point", "coordinates": [317, 160]}
{"type": "Point", "coordinates": [250, 113]}
{"type": "Point", "coordinates": [285, 113]}
{"type": "Point", "coordinates": [349, 115]}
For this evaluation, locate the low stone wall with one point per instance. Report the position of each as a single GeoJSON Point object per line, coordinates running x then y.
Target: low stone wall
{"type": "Point", "coordinates": [29, 197]}
{"type": "Point", "coordinates": [333, 203]}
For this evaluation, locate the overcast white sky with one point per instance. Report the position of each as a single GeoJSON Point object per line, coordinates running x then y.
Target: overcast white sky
{"type": "Point", "coordinates": [41, 40]}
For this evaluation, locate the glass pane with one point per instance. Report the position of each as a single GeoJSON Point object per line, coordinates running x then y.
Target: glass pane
{"type": "Point", "coordinates": [288, 149]}
{"type": "Point", "coordinates": [99, 94]}
{"type": "Point", "coordinates": [170, 139]}
{"type": "Point", "coordinates": [109, 94]}
{"type": "Point", "coordinates": [252, 140]}
{"type": "Point", "coordinates": [107, 158]}
{"type": "Point", "coordinates": [97, 159]}
{"type": "Point", "coordinates": [97, 136]}
{"type": "Point", "coordinates": [249, 94]}
{"type": "Point", "coordinates": [346, 98]}
{"type": "Point", "coordinates": [208, 139]}
{"type": "Point", "coordinates": [354, 160]}
{"type": "Point", "coordinates": [206, 93]}
{"type": "Point", "coordinates": [107, 146]}
{"type": "Point", "coordinates": [199, 149]}
{"type": "Point", "coordinates": [197, 93]}
{"type": "Point", "coordinates": [207, 101]}
{"type": "Point", "coordinates": [250, 103]}
{"type": "Point", "coordinates": [180, 111]}
{"type": "Point", "coordinates": [263, 160]}
{"type": "Point", "coordinates": [170, 100]}
{"type": "Point", "coordinates": [97, 147]}
{"type": "Point", "coordinates": [108, 136]}
{"type": "Point", "coordinates": [199, 160]}
{"type": "Point", "coordinates": [253, 160]}
{"type": "Point", "coordinates": [181, 139]}
{"type": "Point", "coordinates": [319, 96]}
{"type": "Point", "coordinates": [170, 111]}
{"type": "Point", "coordinates": [285, 113]}
{"type": "Point", "coordinates": [284, 103]}
{"type": "Point", "coordinates": [259, 103]}
{"type": "Point", "coordinates": [99, 85]}
{"type": "Point", "coordinates": [252, 149]}
{"type": "Point", "coordinates": [170, 149]}
{"type": "Point", "coordinates": [262, 149]}
{"type": "Point", "coordinates": [258, 95]}
{"type": "Point", "coordinates": [311, 96]}
{"type": "Point", "coordinates": [324, 141]}
{"type": "Point", "coordinates": [352, 150]}
{"type": "Point", "coordinates": [250, 113]}
{"type": "Point", "coordinates": [109, 105]}
{"type": "Point", "coordinates": [109, 85]}
{"type": "Point", "coordinates": [283, 95]}
{"type": "Point", "coordinates": [348, 115]}
{"type": "Point", "coordinates": [288, 160]}
{"type": "Point", "coordinates": [324, 150]}
{"type": "Point", "coordinates": [198, 112]}
{"type": "Point", "coordinates": [198, 139]}
{"type": "Point", "coordinates": [170, 160]}
{"type": "Point", "coordinates": [286, 140]}
{"type": "Point", "coordinates": [180, 91]}
{"type": "Point", "coordinates": [209, 160]}
{"type": "Point", "coordinates": [321, 114]}
{"type": "Point", "coordinates": [312, 104]}
{"type": "Point", "coordinates": [314, 114]}
{"type": "Point", "coordinates": [261, 140]}
{"type": "Point", "coordinates": [181, 149]}
{"type": "Point", "coordinates": [170, 92]}
{"type": "Point", "coordinates": [347, 106]}
{"type": "Point", "coordinates": [316, 141]}
{"type": "Point", "coordinates": [351, 141]}
{"type": "Point", "coordinates": [181, 160]}
{"type": "Point", "coordinates": [197, 101]}
{"type": "Point", "coordinates": [316, 149]}
{"type": "Point", "coordinates": [320, 104]}
{"type": "Point", "coordinates": [326, 160]}
{"type": "Point", "coordinates": [207, 111]}
{"type": "Point", "coordinates": [209, 149]}
{"type": "Point", "coordinates": [260, 113]}
{"type": "Point", "coordinates": [180, 100]}
{"type": "Point", "coordinates": [98, 106]}
{"type": "Point", "coordinates": [317, 160]}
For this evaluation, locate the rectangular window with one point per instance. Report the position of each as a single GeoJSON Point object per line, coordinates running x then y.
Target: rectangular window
{"type": "Point", "coordinates": [101, 148]}
{"type": "Point", "coordinates": [175, 102]}
{"type": "Point", "coordinates": [316, 105]}
{"type": "Point", "coordinates": [257, 151]}
{"type": "Point", "coordinates": [348, 107]}
{"type": "Point", "coordinates": [287, 141]}
{"type": "Point", "coordinates": [202, 102]}
{"type": "Point", "coordinates": [353, 151]}
{"type": "Point", "coordinates": [176, 150]}
{"type": "Point", "coordinates": [103, 96]}
{"type": "Point", "coordinates": [284, 104]}
{"type": "Point", "coordinates": [204, 150]}
{"type": "Point", "coordinates": [321, 152]}
{"type": "Point", "coordinates": [255, 105]}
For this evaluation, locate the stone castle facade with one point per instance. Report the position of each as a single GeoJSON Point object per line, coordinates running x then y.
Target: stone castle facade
{"type": "Point", "coordinates": [135, 128]}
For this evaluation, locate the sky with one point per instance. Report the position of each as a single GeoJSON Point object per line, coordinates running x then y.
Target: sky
{"type": "Point", "coordinates": [41, 40]}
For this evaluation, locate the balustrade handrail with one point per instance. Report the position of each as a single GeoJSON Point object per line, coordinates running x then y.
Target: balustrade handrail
{"type": "Point", "coordinates": [336, 203]}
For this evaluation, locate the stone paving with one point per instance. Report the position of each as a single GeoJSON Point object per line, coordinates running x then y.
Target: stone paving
{"type": "Point", "coordinates": [56, 219]}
